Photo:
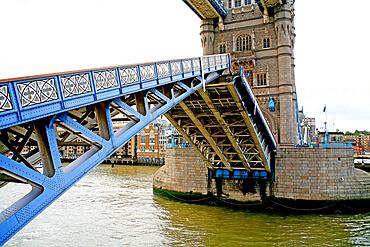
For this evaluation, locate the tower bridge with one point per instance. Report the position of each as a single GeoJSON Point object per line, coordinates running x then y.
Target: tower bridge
{"type": "Point", "coordinates": [236, 106]}
{"type": "Point", "coordinates": [50, 110]}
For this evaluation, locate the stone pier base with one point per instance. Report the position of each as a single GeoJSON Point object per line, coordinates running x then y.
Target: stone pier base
{"type": "Point", "coordinates": [319, 174]}
{"type": "Point", "coordinates": [184, 172]}
{"type": "Point", "coordinates": [302, 175]}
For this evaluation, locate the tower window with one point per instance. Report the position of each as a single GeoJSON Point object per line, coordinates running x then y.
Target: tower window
{"type": "Point", "coordinates": [244, 43]}
{"type": "Point", "coordinates": [229, 4]}
{"type": "Point", "coordinates": [151, 136]}
{"type": "Point", "coordinates": [238, 3]}
{"type": "Point", "coordinates": [222, 48]}
{"type": "Point", "coordinates": [247, 2]}
{"type": "Point", "coordinates": [266, 42]}
{"type": "Point", "coordinates": [262, 79]}
{"type": "Point", "coordinates": [142, 138]}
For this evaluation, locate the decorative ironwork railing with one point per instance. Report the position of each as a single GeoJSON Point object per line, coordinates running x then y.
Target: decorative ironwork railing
{"type": "Point", "coordinates": [29, 98]}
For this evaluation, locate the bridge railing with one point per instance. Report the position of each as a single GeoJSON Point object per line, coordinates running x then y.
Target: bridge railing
{"type": "Point", "coordinates": [264, 137]}
{"type": "Point", "coordinates": [30, 98]}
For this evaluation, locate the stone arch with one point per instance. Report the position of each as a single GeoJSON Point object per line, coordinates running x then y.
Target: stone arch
{"type": "Point", "coordinates": [283, 32]}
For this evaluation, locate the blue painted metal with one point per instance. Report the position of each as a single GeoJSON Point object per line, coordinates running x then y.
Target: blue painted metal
{"type": "Point", "coordinates": [219, 7]}
{"type": "Point", "coordinates": [271, 104]}
{"type": "Point", "coordinates": [241, 174]}
{"type": "Point", "coordinates": [325, 145]}
{"type": "Point", "coordinates": [30, 99]}
{"type": "Point", "coordinates": [336, 145]}
{"type": "Point", "coordinates": [27, 99]}
{"type": "Point", "coordinates": [299, 127]}
{"type": "Point", "coordinates": [265, 137]}
{"type": "Point", "coordinates": [238, 174]}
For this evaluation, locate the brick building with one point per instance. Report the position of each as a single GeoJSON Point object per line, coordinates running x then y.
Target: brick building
{"type": "Point", "coordinates": [360, 143]}
{"type": "Point", "coordinates": [149, 144]}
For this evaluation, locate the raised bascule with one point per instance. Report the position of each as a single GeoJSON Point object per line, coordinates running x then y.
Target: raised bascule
{"type": "Point", "coordinates": [236, 106]}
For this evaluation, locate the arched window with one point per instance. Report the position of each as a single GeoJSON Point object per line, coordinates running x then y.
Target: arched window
{"type": "Point", "coordinates": [222, 48]}
{"type": "Point", "coordinates": [262, 79]}
{"type": "Point", "coordinates": [244, 43]}
{"type": "Point", "coordinates": [266, 42]}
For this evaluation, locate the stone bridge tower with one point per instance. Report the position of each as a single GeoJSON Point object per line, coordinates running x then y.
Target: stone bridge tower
{"type": "Point", "coordinates": [259, 35]}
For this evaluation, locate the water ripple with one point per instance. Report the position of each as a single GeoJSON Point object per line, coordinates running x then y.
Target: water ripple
{"type": "Point", "coordinates": [116, 207]}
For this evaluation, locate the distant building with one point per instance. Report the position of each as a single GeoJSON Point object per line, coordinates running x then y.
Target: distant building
{"type": "Point", "coordinates": [360, 143]}
{"type": "Point", "coordinates": [333, 137]}
{"type": "Point", "coordinates": [308, 127]}
{"type": "Point", "coordinates": [150, 144]}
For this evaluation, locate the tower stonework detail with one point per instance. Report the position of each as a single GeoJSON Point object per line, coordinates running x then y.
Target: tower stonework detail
{"type": "Point", "coordinates": [260, 38]}
{"type": "Point", "coordinates": [207, 36]}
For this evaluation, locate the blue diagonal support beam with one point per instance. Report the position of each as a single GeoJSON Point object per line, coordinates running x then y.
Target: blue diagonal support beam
{"type": "Point", "coordinates": [128, 109]}
{"type": "Point", "coordinates": [83, 130]}
{"type": "Point", "coordinates": [113, 85]}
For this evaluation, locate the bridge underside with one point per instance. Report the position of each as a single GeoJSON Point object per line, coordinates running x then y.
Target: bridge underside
{"type": "Point", "coordinates": [208, 9]}
{"type": "Point", "coordinates": [221, 130]}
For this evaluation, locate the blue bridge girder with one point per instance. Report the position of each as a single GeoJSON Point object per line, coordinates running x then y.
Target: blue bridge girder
{"type": "Point", "coordinates": [48, 109]}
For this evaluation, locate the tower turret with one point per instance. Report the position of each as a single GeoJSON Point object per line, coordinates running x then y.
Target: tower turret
{"type": "Point", "coordinates": [259, 35]}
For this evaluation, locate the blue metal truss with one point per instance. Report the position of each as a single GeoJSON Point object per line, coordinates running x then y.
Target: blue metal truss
{"type": "Point", "coordinates": [264, 135]}
{"type": "Point", "coordinates": [46, 102]}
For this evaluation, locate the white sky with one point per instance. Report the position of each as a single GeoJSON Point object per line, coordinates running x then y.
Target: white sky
{"type": "Point", "coordinates": [44, 36]}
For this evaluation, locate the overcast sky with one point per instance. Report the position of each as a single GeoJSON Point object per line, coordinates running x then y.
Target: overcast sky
{"type": "Point", "coordinates": [43, 36]}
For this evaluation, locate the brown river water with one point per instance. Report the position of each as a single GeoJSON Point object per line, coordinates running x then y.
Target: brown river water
{"type": "Point", "coordinates": [116, 207]}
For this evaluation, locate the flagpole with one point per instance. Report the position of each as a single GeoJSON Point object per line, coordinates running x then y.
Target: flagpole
{"type": "Point", "coordinates": [326, 129]}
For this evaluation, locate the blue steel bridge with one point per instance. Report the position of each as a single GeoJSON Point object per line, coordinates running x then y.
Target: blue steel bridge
{"type": "Point", "coordinates": [215, 112]}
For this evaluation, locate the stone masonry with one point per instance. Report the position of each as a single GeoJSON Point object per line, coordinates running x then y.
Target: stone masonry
{"type": "Point", "coordinates": [263, 45]}
{"type": "Point", "coordinates": [319, 174]}
{"type": "Point", "coordinates": [184, 171]}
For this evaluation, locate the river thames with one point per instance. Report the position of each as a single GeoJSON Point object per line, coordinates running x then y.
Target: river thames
{"type": "Point", "coordinates": [116, 207]}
